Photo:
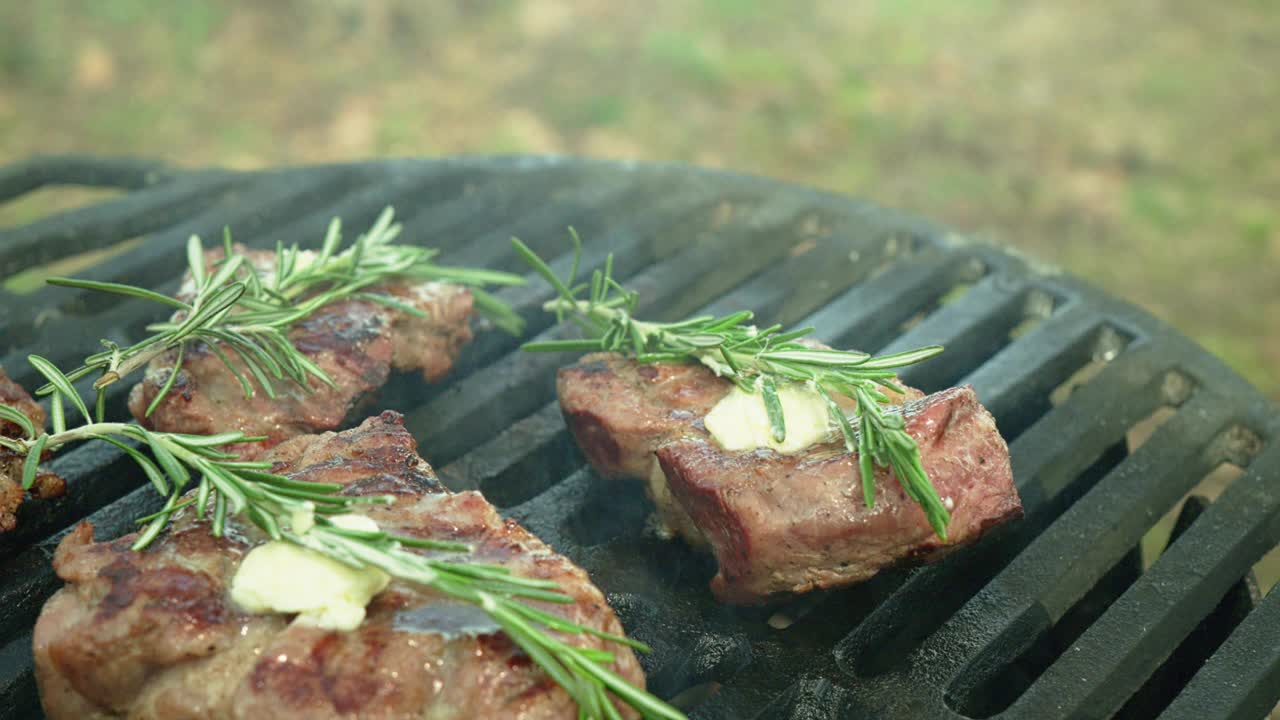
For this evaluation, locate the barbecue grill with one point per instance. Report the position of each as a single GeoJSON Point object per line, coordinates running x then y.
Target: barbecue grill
{"type": "Point", "coordinates": [1054, 616]}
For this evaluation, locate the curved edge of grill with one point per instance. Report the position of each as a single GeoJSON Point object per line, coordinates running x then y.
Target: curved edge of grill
{"type": "Point", "coordinates": [925, 642]}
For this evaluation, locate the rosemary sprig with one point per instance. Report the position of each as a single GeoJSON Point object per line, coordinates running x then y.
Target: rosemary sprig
{"type": "Point", "coordinates": [274, 503]}
{"type": "Point", "coordinates": [758, 361]}
{"type": "Point", "coordinates": [246, 310]}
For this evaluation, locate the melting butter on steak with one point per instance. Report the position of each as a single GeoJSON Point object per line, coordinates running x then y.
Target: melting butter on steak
{"type": "Point", "coordinates": [153, 634]}
{"type": "Point", "coordinates": [781, 523]}
{"type": "Point", "coordinates": [356, 342]}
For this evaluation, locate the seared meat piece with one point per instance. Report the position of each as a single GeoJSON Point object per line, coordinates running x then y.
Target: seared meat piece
{"type": "Point", "coordinates": [793, 523]}
{"type": "Point", "coordinates": [357, 342]}
{"type": "Point", "coordinates": [154, 634]}
{"type": "Point", "coordinates": [47, 484]}
{"type": "Point", "coordinates": [621, 412]}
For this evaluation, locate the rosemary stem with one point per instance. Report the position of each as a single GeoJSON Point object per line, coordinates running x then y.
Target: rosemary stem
{"type": "Point", "coordinates": [605, 314]}
{"type": "Point", "coordinates": [130, 365]}
{"type": "Point", "coordinates": [84, 432]}
{"type": "Point", "coordinates": [649, 331]}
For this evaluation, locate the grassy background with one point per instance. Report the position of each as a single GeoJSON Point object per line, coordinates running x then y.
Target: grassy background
{"type": "Point", "coordinates": [1133, 143]}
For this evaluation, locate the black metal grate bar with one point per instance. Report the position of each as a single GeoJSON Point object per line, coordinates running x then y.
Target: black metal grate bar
{"type": "Point", "coordinates": [975, 326]}
{"type": "Point", "coordinates": [591, 206]}
{"type": "Point", "coordinates": [868, 316]}
{"type": "Point", "coordinates": [1016, 382]}
{"type": "Point", "coordinates": [1047, 578]}
{"type": "Point", "coordinates": [908, 644]}
{"type": "Point", "coordinates": [95, 226]}
{"type": "Point", "coordinates": [1239, 682]}
{"type": "Point", "coordinates": [1146, 624]}
{"type": "Point", "coordinates": [124, 173]}
{"type": "Point", "coordinates": [18, 692]}
{"type": "Point", "coordinates": [276, 197]}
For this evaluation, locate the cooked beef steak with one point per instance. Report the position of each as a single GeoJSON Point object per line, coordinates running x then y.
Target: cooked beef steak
{"type": "Point", "coordinates": [153, 634]}
{"type": "Point", "coordinates": [621, 412]}
{"type": "Point", "coordinates": [47, 484]}
{"type": "Point", "coordinates": [357, 342]}
{"type": "Point", "coordinates": [792, 523]}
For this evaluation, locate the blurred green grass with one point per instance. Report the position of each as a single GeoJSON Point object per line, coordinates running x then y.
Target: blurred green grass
{"type": "Point", "coordinates": [1134, 144]}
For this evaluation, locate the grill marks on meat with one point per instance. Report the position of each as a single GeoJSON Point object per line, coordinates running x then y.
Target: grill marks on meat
{"type": "Point", "coordinates": [47, 484]}
{"type": "Point", "coordinates": [153, 634]}
{"type": "Point", "coordinates": [357, 342]}
{"type": "Point", "coordinates": [782, 523]}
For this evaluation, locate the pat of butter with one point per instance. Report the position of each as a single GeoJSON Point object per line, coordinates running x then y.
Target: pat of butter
{"type": "Point", "coordinates": [282, 577]}
{"type": "Point", "coordinates": [740, 421]}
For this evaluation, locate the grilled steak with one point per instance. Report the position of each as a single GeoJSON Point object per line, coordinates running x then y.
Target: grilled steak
{"type": "Point", "coordinates": [791, 523]}
{"type": "Point", "coordinates": [621, 412]}
{"type": "Point", "coordinates": [357, 342]}
{"type": "Point", "coordinates": [47, 484]}
{"type": "Point", "coordinates": [153, 634]}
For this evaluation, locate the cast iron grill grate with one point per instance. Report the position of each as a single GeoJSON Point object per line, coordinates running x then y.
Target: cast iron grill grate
{"type": "Point", "coordinates": [1051, 617]}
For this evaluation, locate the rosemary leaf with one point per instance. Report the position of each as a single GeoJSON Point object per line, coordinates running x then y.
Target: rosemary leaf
{"type": "Point", "coordinates": [57, 413]}
{"type": "Point", "coordinates": [60, 383]}
{"type": "Point", "coordinates": [32, 463]}
{"type": "Point", "coordinates": [164, 456]}
{"type": "Point", "coordinates": [203, 491]}
{"type": "Point", "coordinates": [148, 468]}
{"type": "Point", "coordinates": [195, 260]}
{"type": "Point", "coordinates": [118, 289]}
{"type": "Point", "coordinates": [18, 418]}
{"type": "Point", "coordinates": [773, 408]}
{"type": "Point", "coordinates": [168, 383]}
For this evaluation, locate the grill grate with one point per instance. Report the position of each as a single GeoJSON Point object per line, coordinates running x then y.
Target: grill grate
{"type": "Point", "coordinates": [1051, 617]}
